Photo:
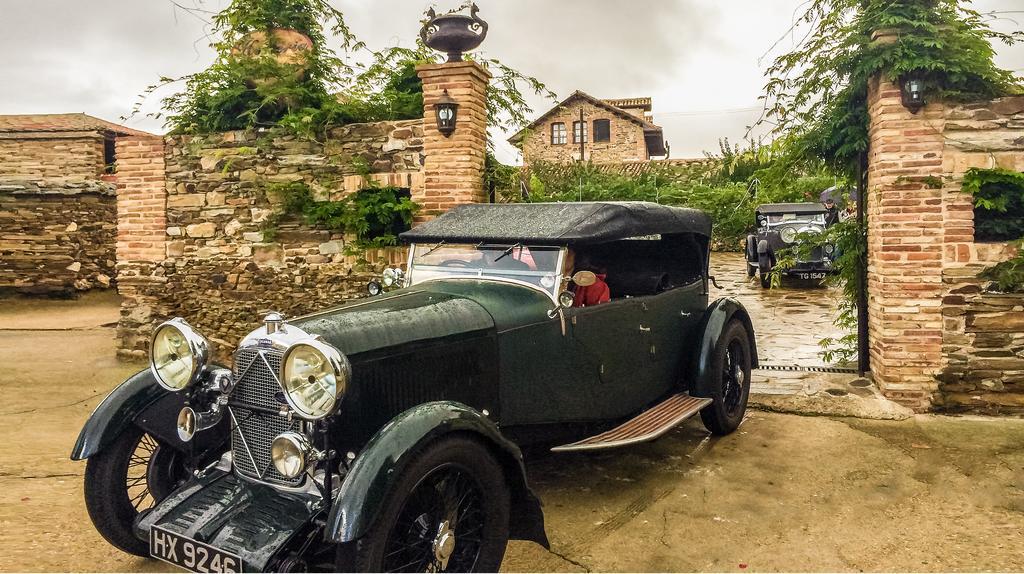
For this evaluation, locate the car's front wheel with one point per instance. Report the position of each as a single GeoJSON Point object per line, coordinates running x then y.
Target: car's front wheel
{"type": "Point", "coordinates": [449, 512]}
{"type": "Point", "coordinates": [131, 475]}
{"type": "Point", "coordinates": [730, 380]}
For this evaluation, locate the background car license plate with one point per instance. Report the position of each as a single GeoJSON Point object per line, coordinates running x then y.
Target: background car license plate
{"type": "Point", "coordinates": [811, 275]}
{"type": "Point", "coordinates": [189, 554]}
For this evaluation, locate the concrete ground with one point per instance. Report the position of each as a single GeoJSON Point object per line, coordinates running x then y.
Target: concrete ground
{"type": "Point", "coordinates": [783, 493]}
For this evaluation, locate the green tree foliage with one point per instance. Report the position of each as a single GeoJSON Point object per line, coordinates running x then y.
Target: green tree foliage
{"type": "Point", "coordinates": [715, 186]}
{"type": "Point", "coordinates": [326, 89]}
{"type": "Point", "coordinates": [817, 93]}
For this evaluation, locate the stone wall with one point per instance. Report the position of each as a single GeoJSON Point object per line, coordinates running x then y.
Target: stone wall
{"type": "Point", "coordinates": [53, 157]}
{"type": "Point", "coordinates": [56, 239]}
{"type": "Point", "coordinates": [626, 143]}
{"type": "Point", "coordinates": [983, 330]}
{"type": "Point", "coordinates": [937, 337]}
{"type": "Point", "coordinates": [200, 236]}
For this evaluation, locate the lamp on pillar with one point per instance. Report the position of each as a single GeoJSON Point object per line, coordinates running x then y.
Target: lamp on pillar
{"type": "Point", "coordinates": [446, 111]}
{"type": "Point", "coordinates": [912, 93]}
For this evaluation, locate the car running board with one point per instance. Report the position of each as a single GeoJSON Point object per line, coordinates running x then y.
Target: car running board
{"type": "Point", "coordinates": [646, 426]}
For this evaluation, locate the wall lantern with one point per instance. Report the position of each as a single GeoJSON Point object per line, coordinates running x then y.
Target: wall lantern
{"type": "Point", "coordinates": [912, 93]}
{"type": "Point", "coordinates": [447, 112]}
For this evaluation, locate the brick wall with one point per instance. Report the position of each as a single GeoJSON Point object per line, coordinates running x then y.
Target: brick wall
{"type": "Point", "coordinates": [56, 239]}
{"type": "Point", "coordinates": [626, 143]}
{"type": "Point", "coordinates": [938, 336]}
{"type": "Point", "coordinates": [905, 246]}
{"type": "Point", "coordinates": [54, 157]}
{"type": "Point", "coordinates": [454, 166]}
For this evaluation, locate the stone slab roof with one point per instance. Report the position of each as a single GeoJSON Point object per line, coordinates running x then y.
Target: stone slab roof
{"type": "Point", "coordinates": [62, 124]}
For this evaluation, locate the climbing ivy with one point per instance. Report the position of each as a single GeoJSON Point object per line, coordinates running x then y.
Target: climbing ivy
{"type": "Point", "coordinates": [374, 215]}
{"type": "Point", "coordinates": [999, 216]}
{"type": "Point", "coordinates": [817, 93]}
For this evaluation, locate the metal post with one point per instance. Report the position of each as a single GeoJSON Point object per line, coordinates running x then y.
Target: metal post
{"type": "Point", "coordinates": [582, 139]}
{"type": "Point", "coordinates": [863, 356]}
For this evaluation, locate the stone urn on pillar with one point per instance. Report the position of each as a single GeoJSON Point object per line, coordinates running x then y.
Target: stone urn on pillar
{"type": "Point", "coordinates": [454, 34]}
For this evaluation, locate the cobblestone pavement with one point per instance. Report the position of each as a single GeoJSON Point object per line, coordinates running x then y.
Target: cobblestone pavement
{"type": "Point", "coordinates": [789, 321]}
{"type": "Point", "coordinates": [784, 492]}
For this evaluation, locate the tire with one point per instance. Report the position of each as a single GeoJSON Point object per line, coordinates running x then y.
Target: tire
{"type": "Point", "coordinates": [410, 517]}
{"type": "Point", "coordinates": [751, 255]}
{"type": "Point", "coordinates": [730, 372]}
{"type": "Point", "coordinates": [125, 479]}
{"type": "Point", "coordinates": [764, 268]}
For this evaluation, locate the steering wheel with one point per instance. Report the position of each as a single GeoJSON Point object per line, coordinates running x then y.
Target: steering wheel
{"type": "Point", "coordinates": [455, 263]}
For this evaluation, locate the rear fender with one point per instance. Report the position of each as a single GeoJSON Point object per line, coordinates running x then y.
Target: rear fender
{"type": "Point", "coordinates": [142, 402]}
{"type": "Point", "coordinates": [379, 465]}
{"type": "Point", "coordinates": [715, 319]}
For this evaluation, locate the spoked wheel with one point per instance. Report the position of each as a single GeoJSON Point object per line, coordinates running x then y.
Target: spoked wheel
{"type": "Point", "coordinates": [129, 477]}
{"type": "Point", "coordinates": [440, 526]}
{"type": "Point", "coordinates": [448, 513]}
{"type": "Point", "coordinates": [731, 381]}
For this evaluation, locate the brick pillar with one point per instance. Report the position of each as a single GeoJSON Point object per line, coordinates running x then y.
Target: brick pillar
{"type": "Point", "coordinates": [141, 240]}
{"type": "Point", "coordinates": [454, 166]}
{"type": "Point", "coordinates": [141, 199]}
{"type": "Point", "coordinates": [907, 232]}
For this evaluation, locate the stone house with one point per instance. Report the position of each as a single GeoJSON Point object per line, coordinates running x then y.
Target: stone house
{"type": "Point", "coordinates": [607, 131]}
{"type": "Point", "coordinates": [58, 214]}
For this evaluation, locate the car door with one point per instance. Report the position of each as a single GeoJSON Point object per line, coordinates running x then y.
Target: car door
{"type": "Point", "coordinates": [611, 343]}
{"type": "Point", "coordinates": [668, 319]}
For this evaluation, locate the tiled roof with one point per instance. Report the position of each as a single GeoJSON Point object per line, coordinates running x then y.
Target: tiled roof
{"type": "Point", "coordinates": [643, 103]}
{"type": "Point", "coordinates": [36, 123]}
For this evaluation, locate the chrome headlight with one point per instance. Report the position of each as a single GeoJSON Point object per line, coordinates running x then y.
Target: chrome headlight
{"type": "Point", "coordinates": [289, 452]}
{"type": "Point", "coordinates": [829, 249]}
{"type": "Point", "coordinates": [392, 277]}
{"type": "Point", "coordinates": [788, 234]}
{"type": "Point", "coordinates": [314, 376]}
{"type": "Point", "coordinates": [177, 354]}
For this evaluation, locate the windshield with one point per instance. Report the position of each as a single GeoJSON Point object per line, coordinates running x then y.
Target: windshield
{"type": "Point", "coordinates": [538, 266]}
{"type": "Point", "coordinates": [776, 218]}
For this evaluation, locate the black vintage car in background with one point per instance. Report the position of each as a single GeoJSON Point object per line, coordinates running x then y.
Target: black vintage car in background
{"type": "Point", "coordinates": [385, 435]}
{"type": "Point", "coordinates": [778, 228]}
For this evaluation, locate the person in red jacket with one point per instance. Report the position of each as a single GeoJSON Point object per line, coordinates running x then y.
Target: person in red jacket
{"type": "Point", "coordinates": [591, 294]}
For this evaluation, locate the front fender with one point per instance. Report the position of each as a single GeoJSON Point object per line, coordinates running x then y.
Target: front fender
{"type": "Point", "coordinates": [116, 412]}
{"type": "Point", "coordinates": [717, 316]}
{"type": "Point", "coordinates": [380, 463]}
{"type": "Point", "coordinates": [142, 402]}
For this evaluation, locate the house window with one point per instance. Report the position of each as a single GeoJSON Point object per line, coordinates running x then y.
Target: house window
{"type": "Point", "coordinates": [579, 132]}
{"type": "Point", "coordinates": [558, 135]}
{"type": "Point", "coordinates": [602, 130]}
{"type": "Point", "coordinates": [109, 155]}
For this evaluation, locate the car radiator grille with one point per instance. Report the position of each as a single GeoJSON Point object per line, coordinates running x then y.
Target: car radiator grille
{"type": "Point", "coordinates": [253, 431]}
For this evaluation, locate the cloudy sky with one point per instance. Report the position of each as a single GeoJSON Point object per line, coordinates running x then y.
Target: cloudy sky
{"type": "Point", "coordinates": [701, 60]}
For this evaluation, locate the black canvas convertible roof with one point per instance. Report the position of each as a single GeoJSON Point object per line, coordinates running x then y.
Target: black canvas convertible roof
{"type": "Point", "coordinates": [791, 208]}
{"type": "Point", "coordinates": [558, 223]}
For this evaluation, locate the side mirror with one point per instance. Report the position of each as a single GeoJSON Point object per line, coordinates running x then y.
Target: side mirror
{"type": "Point", "coordinates": [583, 279]}
{"type": "Point", "coordinates": [565, 301]}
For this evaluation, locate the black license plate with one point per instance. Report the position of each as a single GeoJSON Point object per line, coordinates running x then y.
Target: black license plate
{"type": "Point", "coordinates": [191, 555]}
{"type": "Point", "coordinates": [811, 275]}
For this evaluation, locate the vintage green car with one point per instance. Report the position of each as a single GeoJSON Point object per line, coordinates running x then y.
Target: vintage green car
{"type": "Point", "coordinates": [385, 435]}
